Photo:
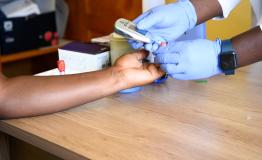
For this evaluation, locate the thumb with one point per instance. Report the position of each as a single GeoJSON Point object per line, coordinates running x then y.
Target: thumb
{"type": "Point", "coordinates": [155, 71]}
{"type": "Point", "coordinates": [149, 20]}
{"type": "Point", "coordinates": [140, 55]}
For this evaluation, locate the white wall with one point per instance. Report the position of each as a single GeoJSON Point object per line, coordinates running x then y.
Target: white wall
{"type": "Point", "coordinates": [148, 4]}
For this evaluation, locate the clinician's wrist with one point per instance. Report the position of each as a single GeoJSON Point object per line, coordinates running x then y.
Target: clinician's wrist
{"type": "Point", "coordinates": [190, 12]}
{"type": "Point", "coordinates": [207, 9]}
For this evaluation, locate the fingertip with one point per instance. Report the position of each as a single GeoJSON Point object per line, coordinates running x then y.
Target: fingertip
{"type": "Point", "coordinates": [155, 47]}
{"type": "Point", "coordinates": [161, 72]}
{"type": "Point", "coordinates": [145, 52]}
{"type": "Point", "coordinates": [157, 65]}
{"type": "Point", "coordinates": [136, 45]}
{"type": "Point", "coordinates": [148, 47]}
{"type": "Point", "coordinates": [141, 54]}
{"type": "Point", "coordinates": [158, 72]}
{"type": "Point", "coordinates": [164, 67]}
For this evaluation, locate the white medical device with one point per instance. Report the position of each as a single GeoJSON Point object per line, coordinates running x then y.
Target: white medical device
{"type": "Point", "coordinates": [128, 30]}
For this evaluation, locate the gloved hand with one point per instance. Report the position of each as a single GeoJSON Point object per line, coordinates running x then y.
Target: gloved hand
{"type": "Point", "coordinates": [190, 60]}
{"type": "Point", "coordinates": [151, 47]}
{"type": "Point", "coordinates": [166, 23]}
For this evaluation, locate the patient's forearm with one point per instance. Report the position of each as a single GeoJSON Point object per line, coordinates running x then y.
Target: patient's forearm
{"type": "Point", "coordinates": [29, 96]}
{"type": "Point", "coordinates": [248, 46]}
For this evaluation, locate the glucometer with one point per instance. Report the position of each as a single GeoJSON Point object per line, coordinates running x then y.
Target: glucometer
{"type": "Point", "coordinates": [129, 30]}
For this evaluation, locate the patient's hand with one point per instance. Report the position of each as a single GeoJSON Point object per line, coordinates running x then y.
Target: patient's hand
{"type": "Point", "coordinates": [136, 73]}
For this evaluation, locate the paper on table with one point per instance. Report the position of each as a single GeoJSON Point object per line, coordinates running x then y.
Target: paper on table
{"type": "Point", "coordinates": [55, 72]}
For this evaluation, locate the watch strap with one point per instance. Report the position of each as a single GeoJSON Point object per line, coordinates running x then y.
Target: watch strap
{"type": "Point", "coordinates": [229, 72]}
{"type": "Point", "coordinates": [226, 46]}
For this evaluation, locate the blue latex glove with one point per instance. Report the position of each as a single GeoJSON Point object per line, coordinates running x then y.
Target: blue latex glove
{"type": "Point", "coordinates": [166, 23]}
{"type": "Point", "coordinates": [151, 47]}
{"type": "Point", "coordinates": [190, 60]}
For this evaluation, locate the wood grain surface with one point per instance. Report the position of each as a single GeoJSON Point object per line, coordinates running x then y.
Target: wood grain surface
{"type": "Point", "coordinates": [218, 120]}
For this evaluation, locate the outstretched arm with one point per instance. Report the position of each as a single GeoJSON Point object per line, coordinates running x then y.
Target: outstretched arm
{"type": "Point", "coordinates": [30, 96]}
{"type": "Point", "coordinates": [248, 46]}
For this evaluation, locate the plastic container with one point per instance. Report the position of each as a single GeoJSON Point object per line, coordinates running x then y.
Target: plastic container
{"type": "Point", "coordinates": [118, 47]}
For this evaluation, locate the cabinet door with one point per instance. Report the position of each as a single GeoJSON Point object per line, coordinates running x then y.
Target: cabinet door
{"type": "Point", "coordinates": [89, 18]}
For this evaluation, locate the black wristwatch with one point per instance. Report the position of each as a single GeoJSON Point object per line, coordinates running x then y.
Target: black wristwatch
{"type": "Point", "coordinates": [228, 58]}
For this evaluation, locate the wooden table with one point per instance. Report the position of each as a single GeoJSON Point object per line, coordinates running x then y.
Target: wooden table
{"type": "Point", "coordinates": [221, 119]}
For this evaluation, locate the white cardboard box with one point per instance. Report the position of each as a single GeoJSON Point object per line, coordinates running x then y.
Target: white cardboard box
{"type": "Point", "coordinates": [84, 57]}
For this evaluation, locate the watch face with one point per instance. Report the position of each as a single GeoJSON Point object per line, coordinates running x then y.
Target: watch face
{"type": "Point", "coordinates": [228, 61]}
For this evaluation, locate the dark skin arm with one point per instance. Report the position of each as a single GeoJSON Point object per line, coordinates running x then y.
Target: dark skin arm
{"type": "Point", "coordinates": [248, 46]}
{"type": "Point", "coordinates": [207, 9]}
{"type": "Point", "coordinates": [30, 96]}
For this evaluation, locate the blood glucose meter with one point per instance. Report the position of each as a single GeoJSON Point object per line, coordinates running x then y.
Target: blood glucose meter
{"type": "Point", "coordinates": [128, 30]}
